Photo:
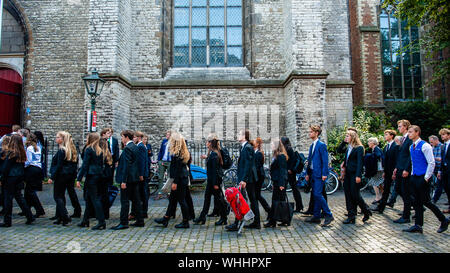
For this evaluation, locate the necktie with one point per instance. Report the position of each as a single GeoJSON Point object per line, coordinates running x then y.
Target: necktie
{"type": "Point", "coordinates": [414, 146]}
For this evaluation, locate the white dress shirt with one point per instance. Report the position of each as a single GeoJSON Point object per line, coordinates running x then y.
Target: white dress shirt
{"type": "Point", "coordinates": [427, 151]}
{"type": "Point", "coordinates": [350, 148]}
{"type": "Point", "coordinates": [312, 152]}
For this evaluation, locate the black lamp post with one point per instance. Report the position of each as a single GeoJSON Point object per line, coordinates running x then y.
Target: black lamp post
{"type": "Point", "coordinates": [94, 86]}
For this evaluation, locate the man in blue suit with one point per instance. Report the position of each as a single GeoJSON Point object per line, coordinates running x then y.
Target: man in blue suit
{"type": "Point", "coordinates": [143, 175]}
{"type": "Point", "coordinates": [317, 173]}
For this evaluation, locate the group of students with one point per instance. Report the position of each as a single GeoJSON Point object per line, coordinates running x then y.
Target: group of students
{"type": "Point", "coordinates": [408, 165]}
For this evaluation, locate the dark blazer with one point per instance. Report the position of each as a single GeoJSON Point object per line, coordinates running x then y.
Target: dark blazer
{"type": "Point", "coordinates": [115, 150]}
{"type": "Point", "coordinates": [354, 163]}
{"type": "Point", "coordinates": [143, 160]}
{"type": "Point", "coordinates": [128, 168]}
{"type": "Point", "coordinates": [161, 149]}
{"type": "Point", "coordinates": [11, 168]}
{"type": "Point", "coordinates": [259, 164]}
{"type": "Point", "coordinates": [149, 152]}
{"type": "Point", "coordinates": [246, 170]}
{"type": "Point", "coordinates": [445, 163]}
{"type": "Point", "coordinates": [213, 169]}
{"type": "Point", "coordinates": [403, 157]}
{"type": "Point", "coordinates": [92, 164]}
{"type": "Point", "coordinates": [178, 170]}
{"type": "Point", "coordinates": [291, 159]}
{"type": "Point", "coordinates": [61, 166]}
{"type": "Point", "coordinates": [279, 171]}
{"type": "Point", "coordinates": [319, 159]}
{"type": "Point", "coordinates": [390, 158]}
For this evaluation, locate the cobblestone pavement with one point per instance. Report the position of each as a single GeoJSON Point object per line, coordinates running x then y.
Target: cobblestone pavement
{"type": "Point", "coordinates": [379, 234]}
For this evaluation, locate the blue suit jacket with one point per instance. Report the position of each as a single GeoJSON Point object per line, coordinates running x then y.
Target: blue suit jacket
{"type": "Point", "coordinates": [319, 159]}
{"type": "Point", "coordinates": [161, 149]}
{"type": "Point", "coordinates": [143, 160]}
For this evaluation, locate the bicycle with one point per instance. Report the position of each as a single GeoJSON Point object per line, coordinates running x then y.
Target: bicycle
{"type": "Point", "coordinates": [153, 184]}
{"type": "Point", "coordinates": [331, 184]}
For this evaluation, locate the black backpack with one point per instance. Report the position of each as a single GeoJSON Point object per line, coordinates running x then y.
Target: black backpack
{"type": "Point", "coordinates": [227, 162]}
{"type": "Point", "coordinates": [299, 162]}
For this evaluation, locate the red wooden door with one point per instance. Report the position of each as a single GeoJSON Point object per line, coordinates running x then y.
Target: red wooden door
{"type": "Point", "coordinates": [10, 95]}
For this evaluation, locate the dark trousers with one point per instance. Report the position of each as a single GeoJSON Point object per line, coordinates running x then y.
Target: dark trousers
{"type": "Point", "coordinates": [445, 176]}
{"type": "Point", "coordinates": [33, 182]}
{"type": "Point", "coordinates": [259, 197]}
{"type": "Point", "coordinates": [189, 203]}
{"type": "Point", "coordinates": [292, 179]}
{"type": "Point", "coordinates": [403, 187]}
{"type": "Point", "coordinates": [353, 197]}
{"type": "Point", "coordinates": [386, 191]}
{"type": "Point", "coordinates": [209, 192]}
{"type": "Point", "coordinates": [144, 194]}
{"type": "Point", "coordinates": [13, 190]}
{"type": "Point", "coordinates": [59, 190]}
{"type": "Point", "coordinates": [250, 192]}
{"type": "Point", "coordinates": [420, 190]}
{"type": "Point", "coordinates": [131, 193]}
{"type": "Point", "coordinates": [311, 200]}
{"type": "Point", "coordinates": [93, 198]}
{"type": "Point", "coordinates": [70, 187]}
{"type": "Point", "coordinates": [277, 195]}
{"type": "Point", "coordinates": [179, 196]}
{"type": "Point", "coordinates": [104, 196]}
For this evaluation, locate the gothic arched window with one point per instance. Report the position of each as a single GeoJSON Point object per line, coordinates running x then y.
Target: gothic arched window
{"type": "Point", "coordinates": [207, 33]}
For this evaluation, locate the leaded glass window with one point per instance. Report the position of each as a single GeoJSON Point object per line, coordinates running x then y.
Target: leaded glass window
{"type": "Point", "coordinates": [401, 69]}
{"type": "Point", "coordinates": [207, 33]}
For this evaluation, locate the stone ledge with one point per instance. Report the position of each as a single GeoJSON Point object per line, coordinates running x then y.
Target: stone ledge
{"type": "Point", "coordinates": [369, 29]}
{"type": "Point", "coordinates": [339, 83]}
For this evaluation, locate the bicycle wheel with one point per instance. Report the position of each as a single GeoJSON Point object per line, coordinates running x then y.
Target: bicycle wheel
{"type": "Point", "coordinates": [230, 178]}
{"type": "Point", "coordinates": [153, 184]}
{"type": "Point", "coordinates": [332, 184]}
{"type": "Point", "coordinates": [267, 184]}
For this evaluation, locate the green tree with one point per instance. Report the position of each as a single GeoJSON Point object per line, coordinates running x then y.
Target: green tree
{"type": "Point", "coordinates": [434, 16]}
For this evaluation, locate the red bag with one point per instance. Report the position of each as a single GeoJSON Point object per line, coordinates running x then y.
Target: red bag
{"type": "Point", "coordinates": [237, 202]}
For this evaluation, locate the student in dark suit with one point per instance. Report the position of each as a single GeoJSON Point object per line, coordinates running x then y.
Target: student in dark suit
{"type": "Point", "coordinates": [444, 172]}
{"type": "Point", "coordinates": [390, 159]}
{"type": "Point", "coordinates": [279, 177]}
{"type": "Point", "coordinates": [246, 174]}
{"type": "Point", "coordinates": [3, 153]}
{"type": "Point", "coordinates": [179, 172]}
{"type": "Point", "coordinates": [317, 173]}
{"type": "Point", "coordinates": [113, 145]}
{"type": "Point", "coordinates": [292, 178]}
{"type": "Point", "coordinates": [144, 171]}
{"type": "Point", "coordinates": [352, 170]}
{"type": "Point", "coordinates": [214, 174]}
{"type": "Point", "coordinates": [402, 171]}
{"type": "Point", "coordinates": [127, 175]}
{"type": "Point", "coordinates": [63, 171]}
{"type": "Point", "coordinates": [12, 180]}
{"type": "Point", "coordinates": [422, 167]}
{"type": "Point", "coordinates": [92, 168]}
{"type": "Point", "coordinates": [106, 177]}
{"type": "Point", "coordinates": [259, 163]}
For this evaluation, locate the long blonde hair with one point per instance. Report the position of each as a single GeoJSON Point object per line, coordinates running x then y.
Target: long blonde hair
{"type": "Point", "coordinates": [93, 140]}
{"type": "Point", "coordinates": [354, 139]}
{"type": "Point", "coordinates": [103, 143]}
{"type": "Point", "coordinates": [68, 146]}
{"type": "Point", "coordinates": [178, 147]}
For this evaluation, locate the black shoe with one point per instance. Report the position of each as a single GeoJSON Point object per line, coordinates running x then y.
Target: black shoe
{"type": "Point", "coordinates": [328, 220]}
{"type": "Point", "coordinates": [137, 224]}
{"type": "Point", "coordinates": [37, 215]}
{"type": "Point", "coordinates": [21, 214]}
{"type": "Point", "coordinates": [54, 218]}
{"type": "Point", "coordinates": [213, 214]}
{"type": "Point", "coordinates": [58, 222]}
{"type": "Point", "coordinates": [390, 204]}
{"type": "Point", "coordinates": [306, 213]}
{"type": "Point", "coordinates": [402, 220]}
{"type": "Point", "coordinates": [76, 215]}
{"type": "Point", "coordinates": [253, 226]}
{"type": "Point", "coordinates": [232, 227]}
{"type": "Point", "coordinates": [414, 229]}
{"type": "Point", "coordinates": [119, 227]}
{"type": "Point", "coordinates": [222, 221]}
{"type": "Point", "coordinates": [376, 202]}
{"type": "Point", "coordinates": [184, 224]}
{"type": "Point", "coordinates": [349, 221]}
{"type": "Point", "coordinates": [367, 216]}
{"type": "Point", "coordinates": [163, 221]}
{"type": "Point", "coordinates": [83, 224]}
{"type": "Point", "coordinates": [145, 216]}
{"type": "Point", "coordinates": [298, 210]}
{"type": "Point", "coordinates": [270, 224]}
{"type": "Point", "coordinates": [29, 221]}
{"type": "Point", "coordinates": [99, 226]}
{"type": "Point", "coordinates": [284, 224]}
{"type": "Point", "coordinates": [66, 222]}
{"type": "Point", "coordinates": [5, 225]}
{"type": "Point", "coordinates": [199, 221]}
{"type": "Point", "coordinates": [313, 220]}
{"type": "Point", "coordinates": [444, 226]}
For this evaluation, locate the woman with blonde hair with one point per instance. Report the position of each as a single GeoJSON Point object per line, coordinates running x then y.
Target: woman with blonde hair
{"type": "Point", "coordinates": [63, 171]}
{"type": "Point", "coordinates": [353, 168]}
{"type": "Point", "coordinates": [92, 168]}
{"type": "Point", "coordinates": [376, 174]}
{"type": "Point", "coordinates": [179, 173]}
{"type": "Point", "coordinates": [279, 176]}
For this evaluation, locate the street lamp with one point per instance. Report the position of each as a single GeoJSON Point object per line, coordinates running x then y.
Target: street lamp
{"type": "Point", "coordinates": [94, 86]}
